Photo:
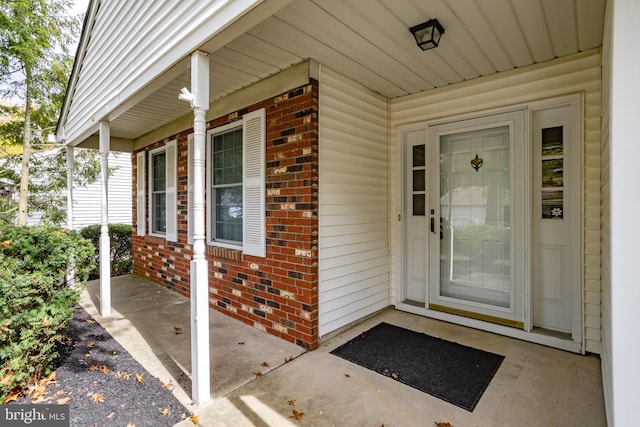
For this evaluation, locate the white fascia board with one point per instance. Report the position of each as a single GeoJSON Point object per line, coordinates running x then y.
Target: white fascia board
{"type": "Point", "coordinates": [87, 26]}
{"type": "Point", "coordinates": [144, 74]}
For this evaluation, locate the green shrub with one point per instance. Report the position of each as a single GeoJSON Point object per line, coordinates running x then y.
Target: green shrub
{"type": "Point", "coordinates": [36, 303]}
{"type": "Point", "coordinates": [120, 236]}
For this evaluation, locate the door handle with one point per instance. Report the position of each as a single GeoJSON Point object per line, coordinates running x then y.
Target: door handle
{"type": "Point", "coordinates": [433, 225]}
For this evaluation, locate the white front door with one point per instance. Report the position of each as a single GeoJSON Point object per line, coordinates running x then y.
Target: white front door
{"type": "Point", "coordinates": [459, 245]}
{"type": "Point", "coordinates": [476, 221]}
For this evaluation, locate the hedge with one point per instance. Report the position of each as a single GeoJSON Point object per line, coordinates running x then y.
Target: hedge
{"type": "Point", "coordinates": [36, 302]}
{"type": "Point", "coordinates": [121, 255]}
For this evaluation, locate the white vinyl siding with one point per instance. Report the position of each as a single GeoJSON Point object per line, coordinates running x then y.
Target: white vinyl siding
{"type": "Point", "coordinates": [578, 73]}
{"type": "Point", "coordinates": [141, 217]}
{"type": "Point", "coordinates": [354, 200]}
{"type": "Point", "coordinates": [87, 200]}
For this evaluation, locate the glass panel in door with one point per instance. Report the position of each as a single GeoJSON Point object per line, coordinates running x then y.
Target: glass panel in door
{"type": "Point", "coordinates": [474, 223]}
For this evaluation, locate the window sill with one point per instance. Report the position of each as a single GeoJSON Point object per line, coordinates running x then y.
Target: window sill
{"type": "Point", "coordinates": [224, 253]}
{"type": "Point", "coordinates": [156, 240]}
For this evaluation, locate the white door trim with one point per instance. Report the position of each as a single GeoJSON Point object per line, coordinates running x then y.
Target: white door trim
{"type": "Point", "coordinates": [576, 344]}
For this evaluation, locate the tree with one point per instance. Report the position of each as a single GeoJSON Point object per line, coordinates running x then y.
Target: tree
{"type": "Point", "coordinates": [35, 36]}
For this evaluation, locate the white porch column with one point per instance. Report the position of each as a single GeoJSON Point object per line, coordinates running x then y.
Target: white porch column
{"type": "Point", "coordinates": [199, 98]}
{"type": "Point", "coordinates": [105, 244]}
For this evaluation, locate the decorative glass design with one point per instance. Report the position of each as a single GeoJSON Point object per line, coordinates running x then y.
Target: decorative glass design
{"type": "Point", "coordinates": [552, 166]}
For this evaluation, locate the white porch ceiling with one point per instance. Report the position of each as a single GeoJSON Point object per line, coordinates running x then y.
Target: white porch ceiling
{"type": "Point", "coordinates": [369, 41]}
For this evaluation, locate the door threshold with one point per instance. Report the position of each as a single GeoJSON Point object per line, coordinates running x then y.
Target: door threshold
{"type": "Point", "coordinates": [551, 333]}
{"type": "Point", "coordinates": [414, 303]}
{"type": "Point", "coordinates": [562, 343]}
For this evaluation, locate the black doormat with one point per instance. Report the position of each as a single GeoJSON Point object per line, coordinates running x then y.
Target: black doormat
{"type": "Point", "coordinates": [452, 372]}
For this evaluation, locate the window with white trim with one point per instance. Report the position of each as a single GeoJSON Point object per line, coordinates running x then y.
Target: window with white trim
{"type": "Point", "coordinates": [236, 185]}
{"type": "Point", "coordinates": [158, 192]}
{"type": "Point", "coordinates": [162, 191]}
{"type": "Point", "coordinates": [226, 186]}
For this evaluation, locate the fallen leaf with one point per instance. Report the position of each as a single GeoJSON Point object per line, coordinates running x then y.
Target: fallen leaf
{"type": "Point", "coordinates": [94, 368]}
{"type": "Point", "coordinates": [104, 369]}
{"type": "Point", "coordinates": [11, 397]}
{"type": "Point", "coordinates": [177, 330]}
{"type": "Point", "coordinates": [111, 415]}
{"type": "Point", "coordinates": [241, 343]}
{"type": "Point", "coordinates": [5, 243]}
{"type": "Point", "coordinates": [164, 411]}
{"type": "Point", "coordinates": [50, 379]}
{"type": "Point", "coordinates": [168, 385]}
{"type": "Point", "coordinates": [114, 355]}
{"type": "Point", "coordinates": [264, 364]}
{"type": "Point", "coordinates": [89, 320]}
{"type": "Point", "coordinates": [7, 379]}
{"type": "Point", "coordinates": [194, 419]}
{"type": "Point", "coordinates": [442, 424]}
{"type": "Point", "coordinates": [120, 375]}
{"type": "Point", "coordinates": [139, 377]}
{"type": "Point", "coordinates": [40, 399]}
{"type": "Point", "coordinates": [88, 355]}
{"type": "Point", "coordinates": [291, 402]}
{"type": "Point", "coordinates": [91, 344]}
{"type": "Point", "coordinates": [395, 376]}
{"type": "Point", "coordinates": [296, 415]}
{"type": "Point", "coordinates": [347, 375]}
{"type": "Point", "coordinates": [97, 398]}
{"type": "Point", "coordinates": [59, 393]}
{"type": "Point", "coordinates": [63, 401]}
{"type": "Point", "coordinates": [288, 359]}
{"type": "Point", "coordinates": [38, 391]}
{"type": "Point", "coordinates": [258, 374]}
{"type": "Point", "coordinates": [131, 425]}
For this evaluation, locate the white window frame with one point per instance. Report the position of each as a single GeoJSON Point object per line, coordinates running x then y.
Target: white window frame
{"type": "Point", "coordinates": [170, 150]}
{"type": "Point", "coordinates": [253, 126]}
{"type": "Point", "coordinates": [211, 208]}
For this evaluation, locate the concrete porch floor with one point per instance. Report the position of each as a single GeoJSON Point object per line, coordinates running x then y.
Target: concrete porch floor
{"type": "Point", "coordinates": [535, 385]}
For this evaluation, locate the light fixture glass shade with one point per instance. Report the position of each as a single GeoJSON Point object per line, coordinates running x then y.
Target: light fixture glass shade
{"type": "Point", "coordinates": [427, 34]}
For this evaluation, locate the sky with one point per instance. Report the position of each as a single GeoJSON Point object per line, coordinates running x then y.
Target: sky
{"type": "Point", "coordinates": [79, 6]}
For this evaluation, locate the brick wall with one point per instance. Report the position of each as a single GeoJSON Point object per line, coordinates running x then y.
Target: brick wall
{"type": "Point", "coordinates": [277, 294]}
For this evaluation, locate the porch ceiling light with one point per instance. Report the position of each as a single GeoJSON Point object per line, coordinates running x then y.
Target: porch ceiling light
{"type": "Point", "coordinates": [427, 34]}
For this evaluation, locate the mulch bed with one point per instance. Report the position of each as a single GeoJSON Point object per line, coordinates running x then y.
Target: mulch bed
{"type": "Point", "coordinates": [102, 384]}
